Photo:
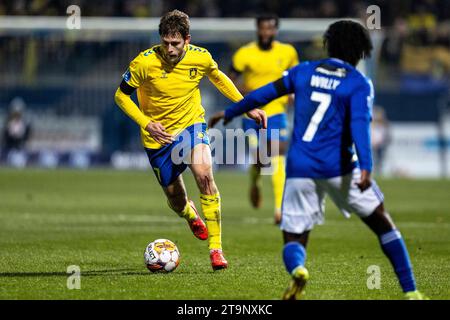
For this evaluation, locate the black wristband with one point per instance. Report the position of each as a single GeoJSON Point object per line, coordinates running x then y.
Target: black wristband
{"type": "Point", "coordinates": [126, 88]}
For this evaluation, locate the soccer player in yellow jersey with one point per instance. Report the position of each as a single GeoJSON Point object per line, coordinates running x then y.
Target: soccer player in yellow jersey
{"type": "Point", "coordinates": [259, 63]}
{"type": "Point", "coordinates": [167, 78]}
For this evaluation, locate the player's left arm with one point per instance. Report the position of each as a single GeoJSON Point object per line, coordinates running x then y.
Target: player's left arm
{"type": "Point", "coordinates": [361, 114]}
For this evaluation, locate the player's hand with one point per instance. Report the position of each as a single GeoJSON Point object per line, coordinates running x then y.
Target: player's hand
{"type": "Point", "coordinates": [216, 118]}
{"type": "Point", "coordinates": [365, 181]}
{"type": "Point", "coordinates": [158, 132]}
{"type": "Point", "coordinates": [259, 116]}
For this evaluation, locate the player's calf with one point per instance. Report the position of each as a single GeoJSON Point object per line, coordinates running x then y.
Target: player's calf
{"type": "Point", "coordinates": [393, 247]}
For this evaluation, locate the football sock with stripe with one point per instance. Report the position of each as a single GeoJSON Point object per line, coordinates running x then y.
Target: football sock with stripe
{"type": "Point", "coordinates": [395, 249]}
{"type": "Point", "coordinates": [212, 212]}
{"type": "Point", "coordinates": [294, 255]}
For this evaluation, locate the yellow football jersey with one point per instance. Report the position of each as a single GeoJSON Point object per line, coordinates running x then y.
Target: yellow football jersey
{"type": "Point", "coordinates": [170, 95]}
{"type": "Point", "coordinates": [259, 67]}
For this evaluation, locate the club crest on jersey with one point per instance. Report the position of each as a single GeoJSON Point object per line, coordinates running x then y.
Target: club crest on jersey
{"type": "Point", "coordinates": [193, 73]}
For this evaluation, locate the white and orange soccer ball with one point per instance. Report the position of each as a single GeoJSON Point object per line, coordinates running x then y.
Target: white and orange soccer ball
{"type": "Point", "coordinates": [161, 255]}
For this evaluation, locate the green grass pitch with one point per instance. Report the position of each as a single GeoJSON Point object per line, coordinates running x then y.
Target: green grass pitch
{"type": "Point", "coordinates": [101, 220]}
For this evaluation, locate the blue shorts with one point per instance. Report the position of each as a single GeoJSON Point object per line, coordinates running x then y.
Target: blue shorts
{"type": "Point", "coordinates": [277, 122]}
{"type": "Point", "coordinates": [164, 166]}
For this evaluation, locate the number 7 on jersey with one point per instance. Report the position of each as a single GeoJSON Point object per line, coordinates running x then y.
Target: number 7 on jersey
{"type": "Point", "coordinates": [324, 100]}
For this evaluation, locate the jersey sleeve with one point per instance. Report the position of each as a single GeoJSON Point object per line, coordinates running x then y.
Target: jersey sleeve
{"type": "Point", "coordinates": [361, 102]}
{"type": "Point", "coordinates": [137, 72]}
{"type": "Point", "coordinates": [238, 60]}
{"type": "Point", "coordinates": [221, 81]}
{"type": "Point", "coordinates": [289, 78]}
{"type": "Point", "coordinates": [212, 68]}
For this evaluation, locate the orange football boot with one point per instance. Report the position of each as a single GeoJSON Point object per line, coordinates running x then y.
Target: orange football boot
{"type": "Point", "coordinates": [217, 260]}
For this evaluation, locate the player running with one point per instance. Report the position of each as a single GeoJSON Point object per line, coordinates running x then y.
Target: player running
{"type": "Point", "coordinates": [333, 103]}
{"type": "Point", "coordinates": [260, 62]}
{"type": "Point", "coordinates": [167, 78]}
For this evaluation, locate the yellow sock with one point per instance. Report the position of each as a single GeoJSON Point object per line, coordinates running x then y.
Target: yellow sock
{"type": "Point", "coordinates": [211, 211]}
{"type": "Point", "coordinates": [188, 212]}
{"type": "Point", "coordinates": [278, 177]}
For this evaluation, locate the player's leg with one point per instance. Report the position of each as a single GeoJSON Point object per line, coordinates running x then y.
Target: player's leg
{"type": "Point", "coordinates": [201, 167]}
{"type": "Point", "coordinates": [255, 168]}
{"type": "Point", "coordinates": [169, 177]}
{"type": "Point", "coordinates": [178, 201]}
{"type": "Point", "coordinates": [294, 257]}
{"type": "Point", "coordinates": [303, 207]}
{"type": "Point", "coordinates": [368, 205]}
{"type": "Point", "coordinates": [301, 238]}
{"type": "Point", "coordinates": [395, 249]}
{"type": "Point", "coordinates": [277, 146]}
{"type": "Point", "coordinates": [278, 178]}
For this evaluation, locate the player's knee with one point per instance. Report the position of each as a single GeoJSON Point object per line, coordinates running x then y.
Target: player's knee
{"type": "Point", "coordinates": [380, 221]}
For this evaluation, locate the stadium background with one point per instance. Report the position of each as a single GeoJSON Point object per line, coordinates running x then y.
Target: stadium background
{"type": "Point", "coordinates": [65, 79]}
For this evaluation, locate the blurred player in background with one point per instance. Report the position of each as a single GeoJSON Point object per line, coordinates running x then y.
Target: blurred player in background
{"type": "Point", "coordinates": [16, 133]}
{"type": "Point", "coordinates": [260, 62]}
{"type": "Point", "coordinates": [167, 78]}
{"type": "Point", "coordinates": [333, 103]}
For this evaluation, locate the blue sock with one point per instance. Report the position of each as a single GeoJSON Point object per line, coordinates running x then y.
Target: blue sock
{"type": "Point", "coordinates": [294, 255]}
{"type": "Point", "coordinates": [395, 249]}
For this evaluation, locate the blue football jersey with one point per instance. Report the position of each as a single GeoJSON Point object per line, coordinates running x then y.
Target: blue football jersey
{"type": "Point", "coordinates": [333, 105]}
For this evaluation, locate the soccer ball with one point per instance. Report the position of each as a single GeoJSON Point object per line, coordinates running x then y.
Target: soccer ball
{"type": "Point", "coordinates": [161, 255]}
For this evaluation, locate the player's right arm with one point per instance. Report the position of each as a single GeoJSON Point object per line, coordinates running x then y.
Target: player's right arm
{"type": "Point", "coordinates": [133, 79]}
